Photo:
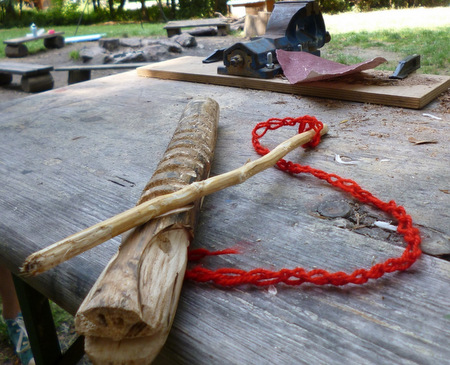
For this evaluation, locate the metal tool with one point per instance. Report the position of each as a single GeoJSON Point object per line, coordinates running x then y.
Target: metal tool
{"type": "Point", "coordinates": [293, 26]}
{"type": "Point", "coordinates": [406, 66]}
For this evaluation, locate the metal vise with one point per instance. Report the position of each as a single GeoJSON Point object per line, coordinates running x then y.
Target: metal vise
{"type": "Point", "coordinates": [293, 26]}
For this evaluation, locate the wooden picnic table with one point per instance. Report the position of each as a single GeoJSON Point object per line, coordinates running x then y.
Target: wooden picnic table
{"type": "Point", "coordinates": [34, 77]}
{"type": "Point", "coordinates": [88, 154]}
{"type": "Point", "coordinates": [174, 27]}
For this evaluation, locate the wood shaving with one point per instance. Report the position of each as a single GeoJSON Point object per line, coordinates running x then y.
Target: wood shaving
{"type": "Point", "coordinates": [381, 78]}
{"type": "Point", "coordinates": [338, 159]}
{"type": "Point", "coordinates": [425, 141]}
{"type": "Point", "coordinates": [431, 116]}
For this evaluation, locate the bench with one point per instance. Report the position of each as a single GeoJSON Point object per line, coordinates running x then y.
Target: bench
{"type": "Point", "coordinates": [174, 27]}
{"type": "Point", "coordinates": [80, 73]}
{"type": "Point", "coordinates": [252, 7]}
{"type": "Point", "coordinates": [35, 78]}
{"type": "Point", "coordinates": [15, 48]}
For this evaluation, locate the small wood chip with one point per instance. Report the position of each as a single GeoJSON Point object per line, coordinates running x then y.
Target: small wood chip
{"type": "Point", "coordinates": [425, 141]}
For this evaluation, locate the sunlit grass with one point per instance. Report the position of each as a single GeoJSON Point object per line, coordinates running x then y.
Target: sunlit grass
{"type": "Point", "coordinates": [392, 19]}
{"type": "Point", "coordinates": [110, 30]}
{"type": "Point", "coordinates": [432, 45]}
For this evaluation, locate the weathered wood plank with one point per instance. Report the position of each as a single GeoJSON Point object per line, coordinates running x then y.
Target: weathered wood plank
{"type": "Point", "coordinates": [26, 69]}
{"type": "Point", "coordinates": [86, 165]}
{"type": "Point", "coordinates": [195, 23]}
{"type": "Point", "coordinates": [20, 40]}
{"type": "Point", "coordinates": [101, 67]}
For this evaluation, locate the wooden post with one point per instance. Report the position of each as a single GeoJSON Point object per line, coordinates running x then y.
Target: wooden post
{"type": "Point", "coordinates": [54, 42]}
{"type": "Point", "coordinates": [128, 313]}
{"type": "Point", "coordinates": [36, 83]}
{"type": "Point", "coordinates": [16, 51]}
{"type": "Point", "coordinates": [5, 78]}
{"type": "Point", "coordinates": [76, 76]}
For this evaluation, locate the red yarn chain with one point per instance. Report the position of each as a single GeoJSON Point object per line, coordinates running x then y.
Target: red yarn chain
{"type": "Point", "coordinates": [298, 276]}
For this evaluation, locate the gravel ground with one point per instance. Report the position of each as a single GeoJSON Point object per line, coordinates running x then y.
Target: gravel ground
{"type": "Point", "coordinates": [59, 57]}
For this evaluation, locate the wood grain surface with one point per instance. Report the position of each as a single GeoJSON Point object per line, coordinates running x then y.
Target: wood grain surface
{"type": "Point", "coordinates": [80, 160]}
{"type": "Point", "coordinates": [415, 92]}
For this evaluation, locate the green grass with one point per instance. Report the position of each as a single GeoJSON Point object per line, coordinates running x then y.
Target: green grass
{"type": "Point", "coordinates": [111, 30]}
{"type": "Point", "coordinates": [74, 55]}
{"type": "Point", "coordinates": [432, 45]}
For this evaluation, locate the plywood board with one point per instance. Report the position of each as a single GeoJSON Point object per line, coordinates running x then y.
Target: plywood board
{"type": "Point", "coordinates": [370, 87]}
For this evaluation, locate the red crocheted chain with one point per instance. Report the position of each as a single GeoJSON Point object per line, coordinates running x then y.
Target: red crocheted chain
{"type": "Point", "coordinates": [298, 276]}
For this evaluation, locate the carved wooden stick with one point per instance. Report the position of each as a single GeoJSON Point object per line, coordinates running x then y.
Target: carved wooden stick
{"type": "Point", "coordinates": [77, 243]}
{"type": "Point", "coordinates": [128, 313]}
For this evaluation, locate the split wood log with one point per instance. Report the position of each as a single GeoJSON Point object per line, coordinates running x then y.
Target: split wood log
{"type": "Point", "coordinates": [128, 313]}
{"type": "Point", "coordinates": [82, 241]}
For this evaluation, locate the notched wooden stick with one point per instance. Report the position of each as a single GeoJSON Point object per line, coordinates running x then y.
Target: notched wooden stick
{"type": "Point", "coordinates": [82, 241]}
{"type": "Point", "coordinates": [128, 313]}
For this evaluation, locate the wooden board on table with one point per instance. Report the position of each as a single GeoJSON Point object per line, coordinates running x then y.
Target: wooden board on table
{"type": "Point", "coordinates": [414, 92]}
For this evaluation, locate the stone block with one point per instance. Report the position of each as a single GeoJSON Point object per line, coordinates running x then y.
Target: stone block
{"type": "Point", "coordinates": [130, 42]}
{"type": "Point", "coordinates": [109, 44]}
{"type": "Point", "coordinates": [155, 53]}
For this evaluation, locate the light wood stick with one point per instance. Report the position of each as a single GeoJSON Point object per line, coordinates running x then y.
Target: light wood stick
{"type": "Point", "coordinates": [82, 241]}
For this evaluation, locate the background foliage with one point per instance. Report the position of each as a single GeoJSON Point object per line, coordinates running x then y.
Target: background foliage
{"type": "Point", "coordinates": [336, 6]}
{"type": "Point", "coordinates": [16, 13]}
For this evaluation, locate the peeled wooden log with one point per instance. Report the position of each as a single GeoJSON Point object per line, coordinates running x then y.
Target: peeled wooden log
{"type": "Point", "coordinates": [127, 315]}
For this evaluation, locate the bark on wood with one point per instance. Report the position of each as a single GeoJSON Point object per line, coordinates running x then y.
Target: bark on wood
{"type": "Point", "coordinates": [128, 313]}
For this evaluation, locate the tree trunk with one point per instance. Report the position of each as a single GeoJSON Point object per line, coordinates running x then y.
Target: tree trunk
{"type": "Point", "coordinates": [145, 15]}
{"type": "Point", "coordinates": [9, 10]}
{"type": "Point", "coordinates": [111, 9]}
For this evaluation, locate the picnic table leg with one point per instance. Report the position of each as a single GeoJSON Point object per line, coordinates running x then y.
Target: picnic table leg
{"type": "Point", "coordinates": [41, 328]}
{"type": "Point", "coordinates": [16, 51]}
{"type": "Point", "coordinates": [5, 78]}
{"type": "Point", "coordinates": [39, 322]}
{"type": "Point", "coordinates": [54, 42]}
{"type": "Point", "coordinates": [78, 76]}
{"type": "Point", "coordinates": [32, 84]}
